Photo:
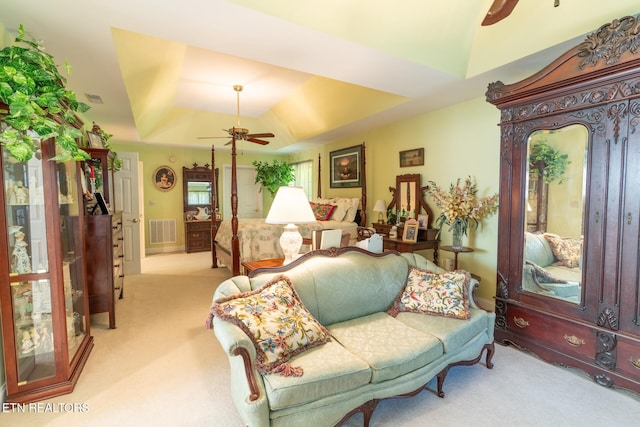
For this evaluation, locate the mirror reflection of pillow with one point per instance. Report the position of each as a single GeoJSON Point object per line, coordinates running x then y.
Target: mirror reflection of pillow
{"type": "Point", "coordinates": [566, 249]}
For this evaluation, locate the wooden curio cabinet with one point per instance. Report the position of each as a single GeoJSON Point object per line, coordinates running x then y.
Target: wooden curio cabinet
{"type": "Point", "coordinates": [43, 294]}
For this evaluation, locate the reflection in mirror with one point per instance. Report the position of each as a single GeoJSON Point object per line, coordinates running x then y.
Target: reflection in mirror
{"type": "Point", "coordinates": [555, 200]}
{"type": "Point", "coordinates": [405, 197]}
{"type": "Point", "coordinates": [198, 193]}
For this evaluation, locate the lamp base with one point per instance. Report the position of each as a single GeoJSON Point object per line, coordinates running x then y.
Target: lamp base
{"type": "Point", "coordinates": [291, 242]}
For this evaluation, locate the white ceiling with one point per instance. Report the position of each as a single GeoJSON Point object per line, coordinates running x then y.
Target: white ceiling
{"type": "Point", "coordinates": [313, 71]}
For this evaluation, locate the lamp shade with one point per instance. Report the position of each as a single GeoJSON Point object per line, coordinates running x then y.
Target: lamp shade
{"type": "Point", "coordinates": [290, 206]}
{"type": "Point", "coordinates": [380, 206]}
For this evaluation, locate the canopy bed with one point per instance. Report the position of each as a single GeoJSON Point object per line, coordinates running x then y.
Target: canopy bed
{"type": "Point", "coordinates": [568, 280]}
{"type": "Point", "coordinates": [238, 240]}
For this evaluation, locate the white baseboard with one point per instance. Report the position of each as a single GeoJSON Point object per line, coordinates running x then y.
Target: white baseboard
{"type": "Point", "coordinates": [3, 393]}
{"type": "Point", "coordinates": [164, 250]}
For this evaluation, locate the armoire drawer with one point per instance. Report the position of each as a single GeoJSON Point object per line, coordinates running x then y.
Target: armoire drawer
{"type": "Point", "coordinates": [569, 338]}
{"type": "Point", "coordinates": [628, 358]}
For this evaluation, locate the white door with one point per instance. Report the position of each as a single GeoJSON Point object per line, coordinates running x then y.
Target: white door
{"type": "Point", "coordinates": [129, 196]}
{"type": "Point", "coordinates": [249, 196]}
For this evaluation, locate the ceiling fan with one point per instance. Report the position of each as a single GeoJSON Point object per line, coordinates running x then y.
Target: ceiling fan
{"type": "Point", "coordinates": [239, 133]}
{"type": "Point", "coordinates": [500, 9]}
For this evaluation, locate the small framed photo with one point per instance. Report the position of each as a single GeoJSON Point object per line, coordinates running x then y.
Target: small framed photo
{"type": "Point", "coordinates": [410, 232]}
{"type": "Point", "coordinates": [95, 140]}
{"type": "Point", "coordinates": [423, 221]}
{"type": "Point", "coordinates": [164, 178]}
{"type": "Point", "coordinates": [413, 157]}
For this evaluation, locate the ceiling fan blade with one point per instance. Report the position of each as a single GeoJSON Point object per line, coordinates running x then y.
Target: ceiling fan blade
{"type": "Point", "coordinates": [229, 143]}
{"type": "Point", "coordinates": [258, 141]}
{"type": "Point", "coordinates": [499, 10]}
{"type": "Point", "coordinates": [260, 135]}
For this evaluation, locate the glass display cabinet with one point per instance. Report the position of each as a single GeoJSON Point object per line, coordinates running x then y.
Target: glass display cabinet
{"type": "Point", "coordinates": [45, 320]}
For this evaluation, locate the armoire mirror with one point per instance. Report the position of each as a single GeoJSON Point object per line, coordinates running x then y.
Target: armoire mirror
{"type": "Point", "coordinates": [555, 200]}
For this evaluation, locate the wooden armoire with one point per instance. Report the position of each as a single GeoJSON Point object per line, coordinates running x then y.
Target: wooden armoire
{"type": "Point", "coordinates": [585, 105]}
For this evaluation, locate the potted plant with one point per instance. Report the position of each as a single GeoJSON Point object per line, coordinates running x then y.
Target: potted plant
{"type": "Point", "coordinates": [34, 91]}
{"type": "Point", "coordinates": [554, 164]}
{"type": "Point", "coordinates": [273, 175]}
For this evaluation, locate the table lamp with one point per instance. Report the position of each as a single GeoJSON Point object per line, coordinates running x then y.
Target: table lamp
{"type": "Point", "coordinates": [290, 207]}
{"type": "Point", "coordinates": [380, 207]}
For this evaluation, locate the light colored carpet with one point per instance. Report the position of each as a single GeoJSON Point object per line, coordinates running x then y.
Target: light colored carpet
{"type": "Point", "coordinates": [161, 367]}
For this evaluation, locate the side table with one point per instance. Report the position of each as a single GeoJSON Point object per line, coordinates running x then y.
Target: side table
{"type": "Point", "coordinates": [249, 266]}
{"type": "Point", "coordinates": [456, 251]}
{"type": "Point", "coordinates": [404, 246]}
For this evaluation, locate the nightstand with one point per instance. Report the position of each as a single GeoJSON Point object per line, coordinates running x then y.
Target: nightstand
{"type": "Point", "coordinates": [249, 266]}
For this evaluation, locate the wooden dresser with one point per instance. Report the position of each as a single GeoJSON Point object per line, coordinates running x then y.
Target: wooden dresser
{"type": "Point", "coordinates": [105, 257]}
{"type": "Point", "coordinates": [426, 240]}
{"type": "Point", "coordinates": [197, 236]}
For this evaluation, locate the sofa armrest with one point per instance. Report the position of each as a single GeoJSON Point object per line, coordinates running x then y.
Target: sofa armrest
{"type": "Point", "coordinates": [236, 343]}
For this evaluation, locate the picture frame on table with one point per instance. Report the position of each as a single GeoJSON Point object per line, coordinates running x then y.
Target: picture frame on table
{"type": "Point", "coordinates": [95, 140]}
{"type": "Point", "coordinates": [413, 157]}
{"type": "Point", "coordinates": [410, 231]}
{"type": "Point", "coordinates": [345, 167]}
{"type": "Point", "coordinates": [423, 221]}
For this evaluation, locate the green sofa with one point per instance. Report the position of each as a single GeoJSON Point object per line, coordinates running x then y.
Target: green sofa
{"type": "Point", "coordinates": [371, 355]}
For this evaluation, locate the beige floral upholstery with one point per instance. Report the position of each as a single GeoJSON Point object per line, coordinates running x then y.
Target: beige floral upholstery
{"type": "Point", "coordinates": [440, 294]}
{"type": "Point", "coordinates": [276, 321]}
{"type": "Point", "coordinates": [565, 249]}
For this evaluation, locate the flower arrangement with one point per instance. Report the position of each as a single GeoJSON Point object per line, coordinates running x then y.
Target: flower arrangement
{"type": "Point", "coordinates": [461, 206]}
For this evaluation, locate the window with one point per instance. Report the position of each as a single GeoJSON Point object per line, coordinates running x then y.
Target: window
{"type": "Point", "coordinates": [303, 173]}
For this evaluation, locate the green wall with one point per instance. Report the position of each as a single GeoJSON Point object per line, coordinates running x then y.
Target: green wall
{"type": "Point", "coordinates": [169, 204]}
{"type": "Point", "coordinates": [460, 140]}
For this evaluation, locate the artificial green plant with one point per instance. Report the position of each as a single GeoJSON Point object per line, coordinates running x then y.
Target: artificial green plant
{"type": "Point", "coordinates": [273, 175]}
{"type": "Point", "coordinates": [38, 101]}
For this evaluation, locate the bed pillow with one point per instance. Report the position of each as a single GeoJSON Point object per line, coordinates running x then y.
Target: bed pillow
{"type": "Point", "coordinates": [565, 249]}
{"type": "Point", "coordinates": [276, 321]}
{"type": "Point", "coordinates": [349, 206]}
{"type": "Point", "coordinates": [322, 212]}
{"type": "Point", "coordinates": [439, 294]}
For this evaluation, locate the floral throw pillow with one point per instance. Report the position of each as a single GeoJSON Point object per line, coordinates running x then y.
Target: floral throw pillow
{"type": "Point", "coordinates": [276, 321]}
{"type": "Point", "coordinates": [322, 212]}
{"type": "Point", "coordinates": [565, 249]}
{"type": "Point", "coordinates": [439, 294]}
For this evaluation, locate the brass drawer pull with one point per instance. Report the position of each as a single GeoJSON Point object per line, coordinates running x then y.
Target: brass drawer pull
{"type": "Point", "coordinates": [635, 362]}
{"type": "Point", "coordinates": [574, 340]}
{"type": "Point", "coordinates": [520, 322]}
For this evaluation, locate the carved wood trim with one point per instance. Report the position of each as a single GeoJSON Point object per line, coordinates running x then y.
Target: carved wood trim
{"type": "Point", "coordinates": [248, 370]}
{"type": "Point", "coordinates": [328, 253]}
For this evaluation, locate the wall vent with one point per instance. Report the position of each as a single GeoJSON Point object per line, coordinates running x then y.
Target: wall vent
{"type": "Point", "coordinates": [162, 231]}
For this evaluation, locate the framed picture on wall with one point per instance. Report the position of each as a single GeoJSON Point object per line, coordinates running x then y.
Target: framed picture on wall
{"type": "Point", "coordinates": [345, 167]}
{"type": "Point", "coordinates": [164, 178]}
{"type": "Point", "coordinates": [413, 157]}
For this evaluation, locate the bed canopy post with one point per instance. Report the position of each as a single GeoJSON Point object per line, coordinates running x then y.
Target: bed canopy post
{"type": "Point", "coordinates": [363, 212]}
{"type": "Point", "coordinates": [214, 204]}
{"type": "Point", "coordinates": [319, 177]}
{"type": "Point", "coordinates": [235, 242]}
